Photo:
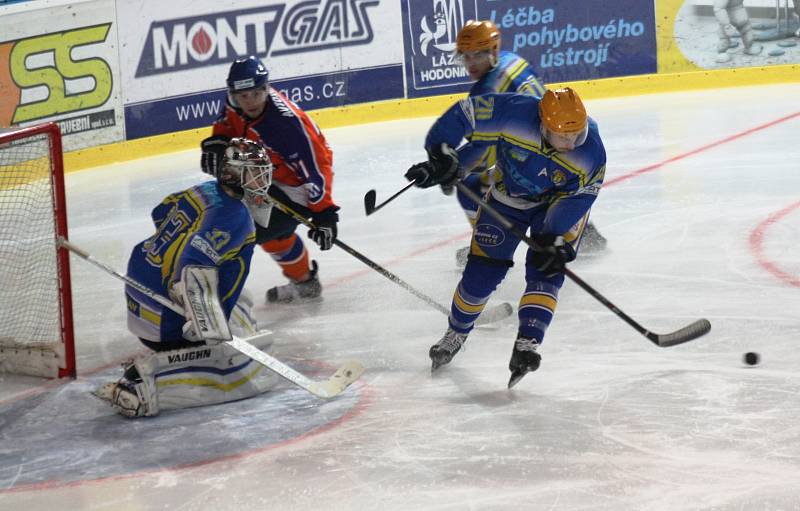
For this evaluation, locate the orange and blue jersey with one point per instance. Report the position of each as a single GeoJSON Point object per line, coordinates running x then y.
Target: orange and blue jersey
{"type": "Point", "coordinates": [298, 149]}
{"type": "Point", "coordinates": [199, 226]}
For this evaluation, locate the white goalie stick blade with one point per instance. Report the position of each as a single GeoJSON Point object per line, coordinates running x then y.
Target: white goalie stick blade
{"type": "Point", "coordinates": [348, 373]}
{"type": "Point", "coordinates": [494, 314]}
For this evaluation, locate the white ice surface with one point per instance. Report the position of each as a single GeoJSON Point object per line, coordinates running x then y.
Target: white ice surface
{"type": "Point", "coordinates": [608, 422]}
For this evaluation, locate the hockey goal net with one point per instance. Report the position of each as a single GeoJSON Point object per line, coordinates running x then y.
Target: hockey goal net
{"type": "Point", "coordinates": [35, 298]}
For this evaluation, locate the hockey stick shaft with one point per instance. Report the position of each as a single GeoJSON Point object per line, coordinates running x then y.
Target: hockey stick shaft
{"type": "Point", "coordinates": [369, 199]}
{"type": "Point", "coordinates": [506, 308]}
{"type": "Point", "coordinates": [166, 302]}
{"type": "Point", "coordinates": [344, 376]}
{"type": "Point", "coordinates": [685, 334]}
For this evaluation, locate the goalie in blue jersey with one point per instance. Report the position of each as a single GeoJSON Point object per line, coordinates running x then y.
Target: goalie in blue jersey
{"type": "Point", "coordinates": [200, 253]}
{"type": "Point", "coordinates": [552, 162]}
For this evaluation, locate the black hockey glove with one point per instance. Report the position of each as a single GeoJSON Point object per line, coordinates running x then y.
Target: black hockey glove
{"type": "Point", "coordinates": [213, 153]}
{"type": "Point", "coordinates": [440, 169]}
{"type": "Point", "coordinates": [324, 232]}
{"type": "Point", "coordinates": [552, 256]}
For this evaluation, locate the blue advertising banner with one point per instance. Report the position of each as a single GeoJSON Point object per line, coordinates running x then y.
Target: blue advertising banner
{"type": "Point", "coordinates": [429, 36]}
{"type": "Point", "coordinates": [311, 92]}
{"type": "Point", "coordinates": [563, 40]}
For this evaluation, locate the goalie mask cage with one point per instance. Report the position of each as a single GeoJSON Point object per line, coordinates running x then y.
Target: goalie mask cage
{"type": "Point", "coordinates": [36, 334]}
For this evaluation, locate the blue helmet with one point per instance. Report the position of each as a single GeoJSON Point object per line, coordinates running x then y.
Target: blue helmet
{"type": "Point", "coordinates": [247, 73]}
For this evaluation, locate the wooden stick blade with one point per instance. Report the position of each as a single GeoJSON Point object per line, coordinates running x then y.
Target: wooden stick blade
{"type": "Point", "coordinates": [349, 372]}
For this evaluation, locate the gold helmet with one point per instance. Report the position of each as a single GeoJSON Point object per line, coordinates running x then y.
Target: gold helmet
{"type": "Point", "coordinates": [562, 111]}
{"type": "Point", "coordinates": [478, 36]}
{"type": "Point", "coordinates": [564, 118]}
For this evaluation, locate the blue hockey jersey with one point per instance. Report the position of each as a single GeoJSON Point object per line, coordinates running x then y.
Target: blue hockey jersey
{"type": "Point", "coordinates": [198, 226]}
{"type": "Point", "coordinates": [511, 74]}
{"type": "Point", "coordinates": [532, 172]}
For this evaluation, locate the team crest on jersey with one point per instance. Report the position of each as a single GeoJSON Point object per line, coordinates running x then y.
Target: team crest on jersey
{"type": "Point", "coordinates": [489, 235]}
{"type": "Point", "coordinates": [559, 178]}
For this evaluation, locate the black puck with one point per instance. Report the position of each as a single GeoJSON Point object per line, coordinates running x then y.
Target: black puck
{"type": "Point", "coordinates": [751, 358]}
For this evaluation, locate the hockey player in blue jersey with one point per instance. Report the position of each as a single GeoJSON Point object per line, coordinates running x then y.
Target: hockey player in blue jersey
{"type": "Point", "coordinates": [496, 70]}
{"type": "Point", "coordinates": [552, 162]}
{"type": "Point", "coordinates": [202, 246]}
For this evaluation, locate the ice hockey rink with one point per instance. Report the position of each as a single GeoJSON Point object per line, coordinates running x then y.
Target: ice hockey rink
{"type": "Point", "coordinates": [702, 214]}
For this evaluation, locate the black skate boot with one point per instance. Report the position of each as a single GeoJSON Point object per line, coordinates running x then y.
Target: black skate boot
{"type": "Point", "coordinates": [306, 290]}
{"type": "Point", "coordinates": [592, 241]}
{"type": "Point", "coordinates": [524, 359]}
{"type": "Point", "coordinates": [443, 351]}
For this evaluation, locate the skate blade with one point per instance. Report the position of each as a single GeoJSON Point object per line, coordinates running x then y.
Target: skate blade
{"type": "Point", "coordinates": [516, 376]}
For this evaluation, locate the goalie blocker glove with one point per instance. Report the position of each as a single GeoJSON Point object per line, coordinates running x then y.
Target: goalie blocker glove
{"type": "Point", "coordinates": [551, 254]}
{"type": "Point", "coordinates": [440, 169]}
{"type": "Point", "coordinates": [324, 231]}
{"type": "Point", "coordinates": [213, 149]}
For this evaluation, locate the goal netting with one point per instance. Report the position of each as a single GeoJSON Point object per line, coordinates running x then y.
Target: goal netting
{"type": "Point", "coordinates": [35, 298]}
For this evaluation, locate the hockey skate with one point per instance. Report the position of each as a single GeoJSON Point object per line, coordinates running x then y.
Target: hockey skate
{"type": "Point", "coordinates": [524, 359]}
{"type": "Point", "coordinates": [443, 351]}
{"type": "Point", "coordinates": [122, 396]}
{"type": "Point", "coordinates": [592, 240]}
{"type": "Point", "coordinates": [462, 256]}
{"type": "Point", "coordinates": [297, 291]}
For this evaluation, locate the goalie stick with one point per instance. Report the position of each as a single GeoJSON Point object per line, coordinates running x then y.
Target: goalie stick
{"type": "Point", "coordinates": [369, 199]}
{"type": "Point", "coordinates": [491, 315]}
{"type": "Point", "coordinates": [349, 372]}
{"type": "Point", "coordinates": [688, 333]}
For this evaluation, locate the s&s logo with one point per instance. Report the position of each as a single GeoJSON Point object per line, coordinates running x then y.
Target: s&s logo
{"type": "Point", "coordinates": [39, 76]}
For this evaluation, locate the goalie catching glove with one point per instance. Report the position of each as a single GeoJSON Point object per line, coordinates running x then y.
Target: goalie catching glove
{"type": "Point", "coordinates": [324, 231]}
{"type": "Point", "coordinates": [213, 149]}
{"type": "Point", "coordinates": [440, 169]}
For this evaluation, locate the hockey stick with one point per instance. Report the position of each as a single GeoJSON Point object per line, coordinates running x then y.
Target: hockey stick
{"type": "Point", "coordinates": [488, 316]}
{"type": "Point", "coordinates": [680, 336]}
{"type": "Point", "coordinates": [349, 372]}
{"type": "Point", "coordinates": [369, 199]}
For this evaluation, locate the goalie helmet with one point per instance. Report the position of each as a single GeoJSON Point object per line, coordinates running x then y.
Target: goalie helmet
{"type": "Point", "coordinates": [565, 124]}
{"type": "Point", "coordinates": [246, 167]}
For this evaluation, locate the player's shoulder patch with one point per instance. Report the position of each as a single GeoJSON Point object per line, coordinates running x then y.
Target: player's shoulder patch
{"type": "Point", "coordinates": [469, 111]}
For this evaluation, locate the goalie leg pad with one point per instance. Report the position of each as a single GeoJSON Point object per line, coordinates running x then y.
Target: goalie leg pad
{"type": "Point", "coordinates": [131, 396]}
{"type": "Point", "coordinates": [242, 323]}
{"type": "Point", "coordinates": [204, 376]}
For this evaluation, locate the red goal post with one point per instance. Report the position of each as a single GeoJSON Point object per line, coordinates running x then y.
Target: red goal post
{"type": "Point", "coordinates": [36, 330]}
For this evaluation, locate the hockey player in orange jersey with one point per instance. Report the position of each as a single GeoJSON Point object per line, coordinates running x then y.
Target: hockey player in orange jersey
{"type": "Point", "coordinates": [302, 179]}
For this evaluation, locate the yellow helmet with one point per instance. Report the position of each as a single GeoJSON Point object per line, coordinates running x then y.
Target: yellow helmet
{"type": "Point", "coordinates": [478, 36]}
{"type": "Point", "coordinates": [562, 111]}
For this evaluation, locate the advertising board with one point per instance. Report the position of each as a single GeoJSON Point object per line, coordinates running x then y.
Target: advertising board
{"type": "Point", "coordinates": [322, 53]}
{"type": "Point", "coordinates": [67, 74]}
